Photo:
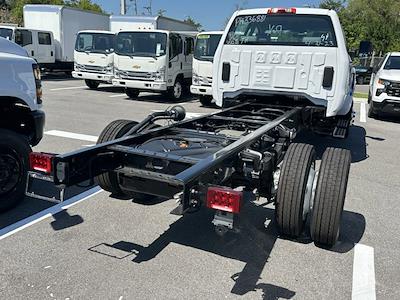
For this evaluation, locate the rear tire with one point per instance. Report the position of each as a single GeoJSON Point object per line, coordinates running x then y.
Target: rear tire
{"type": "Point", "coordinates": [294, 186]}
{"type": "Point", "coordinates": [206, 101]}
{"type": "Point", "coordinates": [91, 84]}
{"type": "Point", "coordinates": [109, 181]}
{"type": "Point", "coordinates": [132, 93]}
{"type": "Point", "coordinates": [14, 161]}
{"type": "Point", "coordinates": [330, 195]}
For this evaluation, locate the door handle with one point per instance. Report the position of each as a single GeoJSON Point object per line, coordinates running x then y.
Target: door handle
{"type": "Point", "coordinates": [181, 65]}
{"type": "Point", "coordinates": [51, 53]}
{"type": "Point", "coordinates": [33, 53]}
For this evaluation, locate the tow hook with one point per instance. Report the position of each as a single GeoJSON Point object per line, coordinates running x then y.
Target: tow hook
{"type": "Point", "coordinates": [223, 222]}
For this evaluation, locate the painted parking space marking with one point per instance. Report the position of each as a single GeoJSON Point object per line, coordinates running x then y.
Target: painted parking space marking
{"type": "Point", "coordinates": [363, 273]}
{"type": "Point", "coordinates": [40, 216]}
{"type": "Point", "coordinates": [363, 112]}
{"type": "Point", "coordinates": [71, 135]}
{"type": "Point", "coordinates": [118, 95]}
{"type": "Point", "coordinates": [69, 88]}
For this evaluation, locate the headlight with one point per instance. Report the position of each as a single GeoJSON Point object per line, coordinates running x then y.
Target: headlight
{"type": "Point", "coordinates": [77, 67]}
{"type": "Point", "coordinates": [383, 81]}
{"type": "Point", "coordinates": [110, 68]}
{"type": "Point", "coordinates": [160, 75]}
{"type": "Point", "coordinates": [195, 79]}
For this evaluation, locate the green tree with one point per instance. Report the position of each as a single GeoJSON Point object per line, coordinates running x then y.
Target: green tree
{"type": "Point", "coordinates": [192, 21]}
{"type": "Point", "coordinates": [336, 5]}
{"type": "Point", "coordinates": [85, 5]}
{"type": "Point", "coordinates": [18, 5]}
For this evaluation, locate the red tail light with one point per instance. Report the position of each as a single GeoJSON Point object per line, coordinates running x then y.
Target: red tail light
{"type": "Point", "coordinates": [224, 199]}
{"type": "Point", "coordinates": [41, 162]}
{"type": "Point", "coordinates": [281, 10]}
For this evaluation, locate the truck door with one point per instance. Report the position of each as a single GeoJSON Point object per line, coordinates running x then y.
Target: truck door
{"type": "Point", "coordinates": [45, 47]}
{"type": "Point", "coordinates": [188, 57]}
{"type": "Point", "coordinates": [175, 65]}
{"type": "Point", "coordinates": [24, 38]}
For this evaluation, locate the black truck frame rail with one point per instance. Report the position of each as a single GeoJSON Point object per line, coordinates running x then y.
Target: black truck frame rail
{"type": "Point", "coordinates": [167, 174]}
{"type": "Point", "coordinates": [217, 160]}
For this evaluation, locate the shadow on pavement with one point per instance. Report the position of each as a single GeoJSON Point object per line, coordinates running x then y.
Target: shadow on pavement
{"type": "Point", "coordinates": [60, 76]}
{"type": "Point", "coordinates": [159, 98]}
{"type": "Point", "coordinates": [252, 244]}
{"type": "Point", "coordinates": [356, 143]}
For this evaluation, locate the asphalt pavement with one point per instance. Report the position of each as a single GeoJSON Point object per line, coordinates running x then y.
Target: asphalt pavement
{"type": "Point", "coordinates": [99, 247]}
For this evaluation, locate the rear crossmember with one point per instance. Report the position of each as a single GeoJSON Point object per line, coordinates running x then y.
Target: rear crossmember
{"type": "Point", "coordinates": [207, 160]}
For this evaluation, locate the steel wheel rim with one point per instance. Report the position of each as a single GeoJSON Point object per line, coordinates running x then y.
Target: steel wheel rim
{"type": "Point", "coordinates": [177, 90]}
{"type": "Point", "coordinates": [10, 172]}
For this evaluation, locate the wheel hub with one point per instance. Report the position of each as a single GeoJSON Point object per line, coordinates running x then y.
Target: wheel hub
{"type": "Point", "coordinates": [177, 90]}
{"type": "Point", "coordinates": [10, 173]}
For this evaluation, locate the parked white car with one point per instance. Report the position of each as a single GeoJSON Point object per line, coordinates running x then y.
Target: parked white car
{"type": "Point", "coordinates": [291, 56]}
{"type": "Point", "coordinates": [384, 90]}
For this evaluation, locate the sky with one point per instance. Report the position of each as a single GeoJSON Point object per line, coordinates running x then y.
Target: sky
{"type": "Point", "coordinates": [212, 14]}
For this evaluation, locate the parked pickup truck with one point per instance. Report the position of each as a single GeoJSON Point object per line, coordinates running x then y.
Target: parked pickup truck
{"type": "Point", "coordinates": [21, 120]}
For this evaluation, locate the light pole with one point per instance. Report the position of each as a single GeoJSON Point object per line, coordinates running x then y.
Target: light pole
{"type": "Point", "coordinates": [123, 7]}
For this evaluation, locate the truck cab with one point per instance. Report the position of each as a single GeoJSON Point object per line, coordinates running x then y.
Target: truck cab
{"type": "Point", "coordinates": [21, 119]}
{"type": "Point", "coordinates": [295, 56]}
{"type": "Point", "coordinates": [205, 47]}
{"type": "Point", "coordinates": [154, 61]}
{"type": "Point", "coordinates": [94, 57]}
{"type": "Point", "coordinates": [38, 43]}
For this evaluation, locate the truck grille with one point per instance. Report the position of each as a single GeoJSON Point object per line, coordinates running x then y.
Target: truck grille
{"type": "Point", "coordinates": [136, 75]}
{"type": "Point", "coordinates": [393, 89]}
{"type": "Point", "coordinates": [205, 81]}
{"type": "Point", "coordinates": [92, 69]}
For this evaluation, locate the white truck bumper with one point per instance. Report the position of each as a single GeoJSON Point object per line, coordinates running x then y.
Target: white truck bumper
{"type": "Point", "coordinates": [201, 90]}
{"type": "Point", "coordinates": [159, 86]}
{"type": "Point", "coordinates": [93, 76]}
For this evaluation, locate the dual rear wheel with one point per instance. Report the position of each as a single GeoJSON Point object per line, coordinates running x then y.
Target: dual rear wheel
{"type": "Point", "coordinates": [301, 194]}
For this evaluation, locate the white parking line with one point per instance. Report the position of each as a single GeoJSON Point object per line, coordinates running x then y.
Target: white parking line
{"type": "Point", "coordinates": [118, 95]}
{"type": "Point", "coordinates": [363, 273]}
{"type": "Point", "coordinates": [71, 135]}
{"type": "Point", "coordinates": [25, 223]}
{"type": "Point", "coordinates": [363, 112]}
{"type": "Point", "coordinates": [69, 88]}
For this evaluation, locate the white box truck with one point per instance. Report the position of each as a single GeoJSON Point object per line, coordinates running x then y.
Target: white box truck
{"type": "Point", "coordinates": [65, 23]}
{"type": "Point", "coordinates": [204, 50]}
{"type": "Point", "coordinates": [153, 54]}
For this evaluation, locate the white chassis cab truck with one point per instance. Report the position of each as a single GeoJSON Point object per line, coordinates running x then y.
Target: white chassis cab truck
{"type": "Point", "coordinates": [39, 44]}
{"type": "Point", "coordinates": [204, 50]}
{"type": "Point", "coordinates": [65, 23]}
{"type": "Point", "coordinates": [292, 56]}
{"type": "Point", "coordinates": [94, 57]}
{"type": "Point", "coordinates": [153, 54]}
{"type": "Point", "coordinates": [21, 120]}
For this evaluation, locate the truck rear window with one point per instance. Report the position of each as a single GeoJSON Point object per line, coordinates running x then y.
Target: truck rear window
{"type": "Point", "coordinates": [287, 30]}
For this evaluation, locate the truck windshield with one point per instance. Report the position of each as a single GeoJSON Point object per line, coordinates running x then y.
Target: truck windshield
{"type": "Point", "coordinates": [393, 63]}
{"type": "Point", "coordinates": [95, 42]}
{"type": "Point", "coordinates": [206, 45]}
{"type": "Point", "coordinates": [152, 44]}
{"type": "Point", "coordinates": [282, 29]}
{"type": "Point", "coordinates": [6, 33]}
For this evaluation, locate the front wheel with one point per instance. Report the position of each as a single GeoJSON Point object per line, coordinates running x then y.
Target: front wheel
{"type": "Point", "coordinates": [371, 110]}
{"type": "Point", "coordinates": [91, 84]}
{"type": "Point", "coordinates": [206, 100]}
{"type": "Point", "coordinates": [14, 157]}
{"type": "Point", "coordinates": [132, 93]}
{"type": "Point", "coordinates": [176, 92]}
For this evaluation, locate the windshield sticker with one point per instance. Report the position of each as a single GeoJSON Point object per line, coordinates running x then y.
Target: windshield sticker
{"type": "Point", "coordinates": [203, 37]}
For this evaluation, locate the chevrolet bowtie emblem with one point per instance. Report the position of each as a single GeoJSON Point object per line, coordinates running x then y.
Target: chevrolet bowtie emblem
{"type": "Point", "coordinates": [91, 61]}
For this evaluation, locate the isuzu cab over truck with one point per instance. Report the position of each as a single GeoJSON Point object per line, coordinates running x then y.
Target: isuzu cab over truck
{"type": "Point", "coordinates": [21, 120]}
{"type": "Point", "coordinates": [156, 56]}
{"type": "Point", "coordinates": [94, 57]}
{"type": "Point", "coordinates": [224, 160]}
{"type": "Point", "coordinates": [205, 47]}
